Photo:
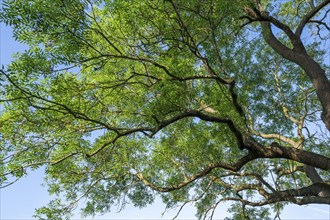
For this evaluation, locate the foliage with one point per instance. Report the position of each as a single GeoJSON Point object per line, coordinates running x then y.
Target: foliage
{"type": "Point", "coordinates": [192, 101]}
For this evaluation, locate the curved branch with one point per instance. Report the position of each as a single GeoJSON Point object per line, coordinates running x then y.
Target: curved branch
{"type": "Point", "coordinates": [198, 175]}
{"type": "Point", "coordinates": [270, 38]}
{"type": "Point", "coordinates": [283, 104]}
{"type": "Point", "coordinates": [279, 137]}
{"type": "Point", "coordinates": [308, 16]}
{"type": "Point", "coordinates": [265, 18]}
{"type": "Point", "coordinates": [206, 117]}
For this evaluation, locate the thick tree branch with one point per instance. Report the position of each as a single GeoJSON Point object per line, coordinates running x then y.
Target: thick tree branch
{"type": "Point", "coordinates": [312, 190]}
{"type": "Point", "coordinates": [312, 174]}
{"type": "Point", "coordinates": [278, 151]}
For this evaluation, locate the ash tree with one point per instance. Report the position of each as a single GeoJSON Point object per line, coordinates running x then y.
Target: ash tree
{"type": "Point", "coordinates": [195, 102]}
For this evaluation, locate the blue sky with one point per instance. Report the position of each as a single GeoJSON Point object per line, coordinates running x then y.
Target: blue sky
{"type": "Point", "coordinates": [19, 201]}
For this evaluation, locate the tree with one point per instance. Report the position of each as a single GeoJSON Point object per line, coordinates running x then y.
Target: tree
{"type": "Point", "coordinates": [194, 101]}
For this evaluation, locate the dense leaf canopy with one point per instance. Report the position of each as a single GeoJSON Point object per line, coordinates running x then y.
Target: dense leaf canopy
{"type": "Point", "coordinates": [198, 102]}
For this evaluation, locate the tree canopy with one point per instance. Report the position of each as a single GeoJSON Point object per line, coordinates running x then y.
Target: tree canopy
{"type": "Point", "coordinates": [200, 102]}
